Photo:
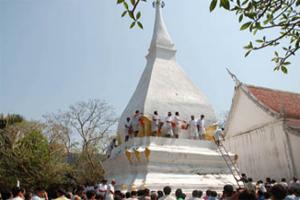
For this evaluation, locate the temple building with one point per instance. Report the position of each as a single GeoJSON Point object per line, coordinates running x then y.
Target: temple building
{"type": "Point", "coordinates": [263, 129]}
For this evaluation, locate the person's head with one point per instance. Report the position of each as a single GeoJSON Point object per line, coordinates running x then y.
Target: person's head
{"type": "Point", "coordinates": [104, 181]}
{"type": "Point", "coordinates": [167, 190]}
{"type": "Point", "coordinates": [202, 117]}
{"type": "Point", "coordinates": [160, 194]}
{"type": "Point", "coordinates": [273, 181]}
{"type": "Point", "coordinates": [247, 195]}
{"type": "Point", "coordinates": [207, 193]}
{"type": "Point", "coordinates": [177, 113]}
{"type": "Point", "coordinates": [283, 180]}
{"type": "Point", "coordinates": [69, 195]}
{"type": "Point", "coordinates": [154, 196]}
{"type": "Point", "coordinates": [137, 112]}
{"type": "Point", "coordinates": [228, 190]}
{"type": "Point", "coordinates": [17, 191]}
{"type": "Point", "coordinates": [133, 193]}
{"type": "Point", "coordinates": [155, 112]}
{"type": "Point", "coordinates": [127, 195]}
{"type": "Point", "coordinates": [60, 192]}
{"type": "Point", "coordinates": [195, 194]}
{"type": "Point", "coordinates": [213, 194]}
{"type": "Point", "coordinates": [268, 180]}
{"type": "Point", "coordinates": [39, 191]}
{"type": "Point", "coordinates": [91, 194]}
{"type": "Point", "coordinates": [113, 182]}
{"type": "Point", "coordinates": [178, 193]}
{"type": "Point", "coordinates": [295, 179]}
{"type": "Point", "coordinates": [278, 192]}
{"type": "Point", "coordinates": [146, 192]}
{"type": "Point", "coordinates": [199, 193]}
{"type": "Point", "coordinates": [28, 196]}
{"type": "Point", "coordinates": [79, 190]}
{"type": "Point", "coordinates": [192, 117]}
{"type": "Point", "coordinates": [250, 180]}
{"type": "Point", "coordinates": [169, 114]}
{"type": "Point", "coordinates": [296, 188]}
{"type": "Point", "coordinates": [128, 119]}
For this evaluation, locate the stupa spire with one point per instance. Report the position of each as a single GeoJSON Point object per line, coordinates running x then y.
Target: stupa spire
{"type": "Point", "coordinates": [161, 38]}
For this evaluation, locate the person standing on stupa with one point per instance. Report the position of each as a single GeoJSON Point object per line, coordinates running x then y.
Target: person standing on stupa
{"type": "Point", "coordinates": [135, 123]}
{"type": "Point", "coordinates": [201, 129]}
{"type": "Point", "coordinates": [168, 125]}
{"type": "Point", "coordinates": [192, 127]}
{"type": "Point", "coordinates": [128, 129]}
{"type": "Point", "coordinates": [176, 127]}
{"type": "Point", "coordinates": [155, 123]}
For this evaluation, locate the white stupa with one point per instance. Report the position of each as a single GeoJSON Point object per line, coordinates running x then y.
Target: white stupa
{"type": "Point", "coordinates": [155, 162]}
{"type": "Point", "coordinates": [164, 86]}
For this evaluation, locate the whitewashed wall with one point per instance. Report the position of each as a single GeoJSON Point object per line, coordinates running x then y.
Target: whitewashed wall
{"type": "Point", "coordinates": [263, 152]}
{"type": "Point", "coordinates": [245, 115]}
{"type": "Point", "coordinates": [295, 147]}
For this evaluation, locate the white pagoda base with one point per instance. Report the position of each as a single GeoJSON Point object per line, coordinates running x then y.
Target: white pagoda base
{"type": "Point", "coordinates": [155, 162]}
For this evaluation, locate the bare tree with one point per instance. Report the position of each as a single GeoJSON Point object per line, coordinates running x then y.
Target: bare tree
{"type": "Point", "coordinates": [91, 123]}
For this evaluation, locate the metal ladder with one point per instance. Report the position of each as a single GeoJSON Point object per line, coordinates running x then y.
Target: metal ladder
{"type": "Point", "coordinates": [231, 165]}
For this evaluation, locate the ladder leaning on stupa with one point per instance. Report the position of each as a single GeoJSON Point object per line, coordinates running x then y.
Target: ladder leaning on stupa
{"type": "Point", "coordinates": [231, 165]}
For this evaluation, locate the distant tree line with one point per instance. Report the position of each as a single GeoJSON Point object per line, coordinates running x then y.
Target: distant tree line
{"type": "Point", "coordinates": [65, 148]}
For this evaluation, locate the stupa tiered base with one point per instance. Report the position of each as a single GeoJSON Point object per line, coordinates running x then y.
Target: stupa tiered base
{"type": "Point", "coordinates": [155, 162]}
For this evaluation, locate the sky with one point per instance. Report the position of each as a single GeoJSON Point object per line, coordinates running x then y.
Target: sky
{"type": "Point", "coordinates": [54, 53]}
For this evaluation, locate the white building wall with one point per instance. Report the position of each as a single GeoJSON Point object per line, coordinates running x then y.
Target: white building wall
{"type": "Point", "coordinates": [262, 152]}
{"type": "Point", "coordinates": [295, 150]}
{"type": "Point", "coordinates": [246, 115]}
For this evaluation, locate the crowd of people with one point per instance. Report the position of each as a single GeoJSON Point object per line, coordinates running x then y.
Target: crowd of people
{"type": "Point", "coordinates": [268, 190]}
{"type": "Point", "coordinates": [171, 124]}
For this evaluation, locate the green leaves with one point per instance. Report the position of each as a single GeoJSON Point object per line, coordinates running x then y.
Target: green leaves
{"type": "Point", "coordinates": [245, 26]}
{"type": "Point", "coordinates": [213, 4]}
{"type": "Point", "coordinates": [284, 69]}
{"type": "Point", "coordinates": [130, 9]}
{"type": "Point", "coordinates": [140, 25]}
{"type": "Point", "coordinates": [225, 4]}
{"type": "Point", "coordinates": [132, 24]}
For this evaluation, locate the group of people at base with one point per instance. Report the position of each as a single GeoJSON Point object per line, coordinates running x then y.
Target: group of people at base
{"type": "Point", "coordinates": [168, 126]}
{"type": "Point", "coordinates": [268, 190]}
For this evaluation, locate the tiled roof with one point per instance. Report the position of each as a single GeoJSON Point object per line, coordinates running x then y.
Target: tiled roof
{"type": "Point", "coordinates": [278, 101]}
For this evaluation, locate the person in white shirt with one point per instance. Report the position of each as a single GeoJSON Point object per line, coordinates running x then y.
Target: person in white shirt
{"type": "Point", "coordinates": [39, 194]}
{"type": "Point", "coordinates": [218, 136]}
{"type": "Point", "coordinates": [176, 127]}
{"type": "Point", "coordinates": [102, 188]}
{"type": "Point", "coordinates": [201, 128]}
{"type": "Point", "coordinates": [167, 194]}
{"type": "Point", "coordinates": [155, 124]}
{"type": "Point", "coordinates": [110, 190]}
{"type": "Point", "coordinates": [168, 125]}
{"type": "Point", "coordinates": [192, 127]}
{"type": "Point", "coordinates": [135, 123]}
{"type": "Point", "coordinates": [18, 193]}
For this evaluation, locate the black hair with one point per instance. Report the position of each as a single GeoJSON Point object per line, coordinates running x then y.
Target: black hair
{"type": "Point", "coordinates": [167, 190]}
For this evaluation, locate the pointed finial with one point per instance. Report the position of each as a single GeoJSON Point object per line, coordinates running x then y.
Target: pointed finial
{"type": "Point", "coordinates": [233, 76]}
{"type": "Point", "coordinates": [158, 3]}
